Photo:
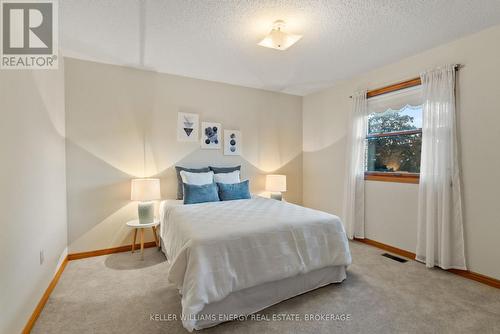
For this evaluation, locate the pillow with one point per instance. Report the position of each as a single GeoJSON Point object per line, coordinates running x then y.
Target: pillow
{"type": "Point", "coordinates": [197, 179]}
{"type": "Point", "coordinates": [200, 194]}
{"type": "Point", "coordinates": [178, 170]}
{"type": "Point", "coordinates": [229, 192]}
{"type": "Point", "coordinates": [218, 170]}
{"type": "Point", "coordinates": [233, 177]}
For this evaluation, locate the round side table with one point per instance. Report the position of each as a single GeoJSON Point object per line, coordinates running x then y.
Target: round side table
{"type": "Point", "coordinates": [138, 226]}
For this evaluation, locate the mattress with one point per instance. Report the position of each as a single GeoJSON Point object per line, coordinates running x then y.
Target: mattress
{"type": "Point", "coordinates": [217, 249]}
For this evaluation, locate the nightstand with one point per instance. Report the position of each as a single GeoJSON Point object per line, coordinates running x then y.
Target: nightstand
{"type": "Point", "coordinates": [138, 226]}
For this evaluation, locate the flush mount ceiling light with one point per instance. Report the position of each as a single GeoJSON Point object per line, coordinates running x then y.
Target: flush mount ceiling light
{"type": "Point", "coordinates": [278, 39]}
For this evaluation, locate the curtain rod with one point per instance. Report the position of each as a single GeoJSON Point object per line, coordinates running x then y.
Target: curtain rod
{"type": "Point", "coordinates": [400, 85]}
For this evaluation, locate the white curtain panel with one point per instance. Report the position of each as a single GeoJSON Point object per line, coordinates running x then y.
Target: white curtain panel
{"type": "Point", "coordinates": [440, 240]}
{"type": "Point", "coordinates": [354, 205]}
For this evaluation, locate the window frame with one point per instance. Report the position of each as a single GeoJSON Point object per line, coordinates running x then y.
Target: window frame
{"type": "Point", "coordinates": [398, 177]}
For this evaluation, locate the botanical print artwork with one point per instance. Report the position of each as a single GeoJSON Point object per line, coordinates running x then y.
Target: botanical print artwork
{"type": "Point", "coordinates": [232, 142]}
{"type": "Point", "coordinates": [187, 127]}
{"type": "Point", "coordinates": [210, 135]}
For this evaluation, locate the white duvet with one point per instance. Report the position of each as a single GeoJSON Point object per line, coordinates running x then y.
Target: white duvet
{"type": "Point", "coordinates": [221, 247]}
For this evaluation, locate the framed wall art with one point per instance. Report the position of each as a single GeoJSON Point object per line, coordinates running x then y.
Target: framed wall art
{"type": "Point", "coordinates": [232, 142]}
{"type": "Point", "coordinates": [211, 137]}
{"type": "Point", "coordinates": [187, 127]}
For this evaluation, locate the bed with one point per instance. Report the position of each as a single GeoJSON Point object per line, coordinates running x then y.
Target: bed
{"type": "Point", "coordinates": [234, 258]}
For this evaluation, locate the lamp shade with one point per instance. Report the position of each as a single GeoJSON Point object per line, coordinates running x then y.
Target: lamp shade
{"type": "Point", "coordinates": [145, 190]}
{"type": "Point", "coordinates": [276, 183]}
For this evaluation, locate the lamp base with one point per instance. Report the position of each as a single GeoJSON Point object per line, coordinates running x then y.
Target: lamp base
{"type": "Point", "coordinates": [277, 196]}
{"type": "Point", "coordinates": [146, 212]}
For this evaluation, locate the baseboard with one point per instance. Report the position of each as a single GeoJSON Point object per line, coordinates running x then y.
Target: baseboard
{"type": "Point", "coordinates": [477, 277]}
{"type": "Point", "coordinates": [69, 257]}
{"type": "Point", "coordinates": [120, 249]}
{"type": "Point", "coordinates": [464, 273]}
{"type": "Point", "coordinates": [39, 307]}
{"type": "Point", "coordinates": [388, 248]}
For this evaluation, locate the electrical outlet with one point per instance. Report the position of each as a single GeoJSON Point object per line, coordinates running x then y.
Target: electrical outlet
{"type": "Point", "coordinates": [42, 256]}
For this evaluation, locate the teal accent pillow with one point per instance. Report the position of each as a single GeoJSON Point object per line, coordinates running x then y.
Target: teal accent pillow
{"type": "Point", "coordinates": [178, 170]}
{"type": "Point", "coordinates": [200, 194]}
{"type": "Point", "coordinates": [229, 192]}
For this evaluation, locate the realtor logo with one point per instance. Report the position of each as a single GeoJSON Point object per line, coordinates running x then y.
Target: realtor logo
{"type": "Point", "coordinates": [29, 34]}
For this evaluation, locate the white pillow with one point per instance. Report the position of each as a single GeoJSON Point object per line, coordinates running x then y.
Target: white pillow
{"type": "Point", "coordinates": [228, 178]}
{"type": "Point", "coordinates": [197, 179]}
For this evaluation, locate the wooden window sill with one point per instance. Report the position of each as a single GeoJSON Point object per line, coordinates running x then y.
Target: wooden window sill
{"type": "Point", "coordinates": [393, 177]}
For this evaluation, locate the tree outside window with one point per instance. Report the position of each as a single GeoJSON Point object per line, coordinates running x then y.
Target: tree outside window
{"type": "Point", "coordinates": [394, 140]}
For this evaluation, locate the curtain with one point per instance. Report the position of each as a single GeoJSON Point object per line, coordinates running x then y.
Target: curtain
{"type": "Point", "coordinates": [440, 240]}
{"type": "Point", "coordinates": [354, 205]}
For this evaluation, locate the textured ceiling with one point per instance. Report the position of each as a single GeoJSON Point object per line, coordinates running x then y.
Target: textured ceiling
{"type": "Point", "coordinates": [216, 40]}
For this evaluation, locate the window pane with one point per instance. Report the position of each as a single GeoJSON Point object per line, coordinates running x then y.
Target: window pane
{"type": "Point", "coordinates": [394, 153]}
{"type": "Point", "coordinates": [406, 118]}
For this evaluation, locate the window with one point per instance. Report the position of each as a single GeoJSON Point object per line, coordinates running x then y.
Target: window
{"type": "Point", "coordinates": [394, 138]}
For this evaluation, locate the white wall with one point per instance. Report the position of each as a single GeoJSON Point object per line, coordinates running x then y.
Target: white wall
{"type": "Point", "coordinates": [110, 108]}
{"type": "Point", "coordinates": [391, 208]}
{"type": "Point", "coordinates": [33, 189]}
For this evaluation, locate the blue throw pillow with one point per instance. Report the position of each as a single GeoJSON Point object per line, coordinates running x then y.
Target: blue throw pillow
{"type": "Point", "coordinates": [228, 192]}
{"type": "Point", "coordinates": [199, 194]}
{"type": "Point", "coordinates": [180, 187]}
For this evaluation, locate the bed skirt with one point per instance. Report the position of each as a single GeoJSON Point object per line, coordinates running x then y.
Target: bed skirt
{"type": "Point", "coordinates": [254, 299]}
{"type": "Point", "coordinates": [257, 298]}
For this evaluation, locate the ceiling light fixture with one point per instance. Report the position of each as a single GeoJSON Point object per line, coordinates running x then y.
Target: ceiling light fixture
{"type": "Point", "coordinates": [278, 39]}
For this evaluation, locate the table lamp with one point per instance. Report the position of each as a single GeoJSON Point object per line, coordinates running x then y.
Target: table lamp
{"type": "Point", "coordinates": [145, 191]}
{"type": "Point", "coordinates": [276, 184]}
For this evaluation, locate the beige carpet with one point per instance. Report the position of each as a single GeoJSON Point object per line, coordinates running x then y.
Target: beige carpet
{"type": "Point", "coordinates": [117, 293]}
